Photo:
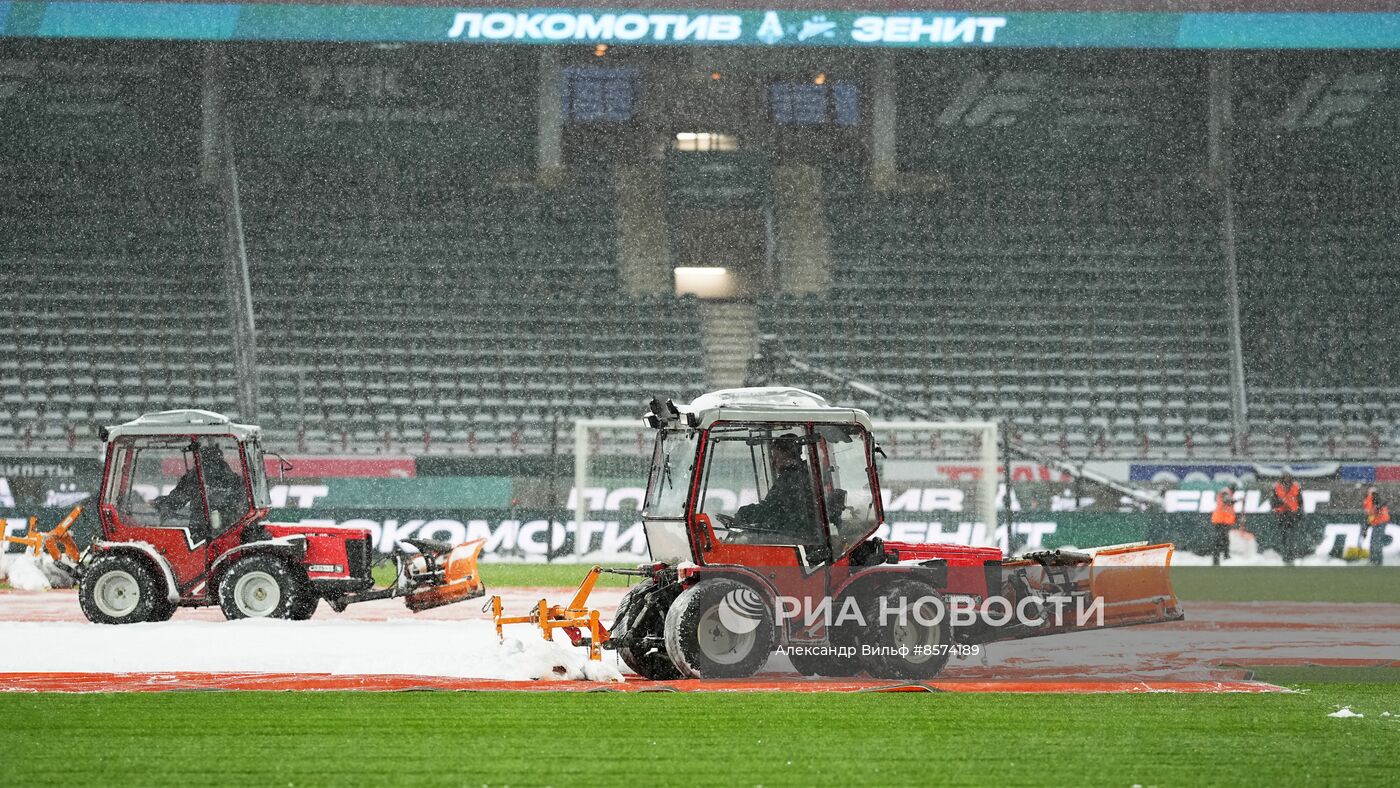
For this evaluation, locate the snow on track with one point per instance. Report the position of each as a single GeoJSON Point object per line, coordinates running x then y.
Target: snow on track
{"type": "Point", "coordinates": [427, 648]}
{"type": "Point", "coordinates": [45, 632]}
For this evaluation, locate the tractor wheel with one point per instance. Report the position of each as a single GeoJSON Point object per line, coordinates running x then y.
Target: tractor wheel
{"type": "Point", "coordinates": [654, 664]}
{"type": "Point", "coordinates": [121, 589]}
{"type": "Point", "coordinates": [831, 665]}
{"type": "Point", "coordinates": [911, 648]}
{"type": "Point", "coordinates": [259, 586]}
{"type": "Point", "coordinates": [164, 610]}
{"type": "Point", "coordinates": [719, 629]}
{"type": "Point", "coordinates": [305, 604]}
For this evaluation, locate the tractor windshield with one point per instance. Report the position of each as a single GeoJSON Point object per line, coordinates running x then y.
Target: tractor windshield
{"type": "Point", "coordinates": [257, 474]}
{"type": "Point", "coordinates": [672, 465]}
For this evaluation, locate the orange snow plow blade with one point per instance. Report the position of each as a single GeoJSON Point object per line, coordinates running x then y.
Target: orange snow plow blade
{"type": "Point", "coordinates": [440, 574]}
{"type": "Point", "coordinates": [1115, 586]}
{"type": "Point", "coordinates": [1135, 584]}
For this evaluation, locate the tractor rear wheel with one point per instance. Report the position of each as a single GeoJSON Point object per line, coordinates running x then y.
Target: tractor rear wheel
{"type": "Point", "coordinates": [643, 622]}
{"type": "Point", "coordinates": [719, 629]}
{"type": "Point", "coordinates": [259, 586]}
{"type": "Point", "coordinates": [304, 606]}
{"type": "Point", "coordinates": [912, 646]}
{"type": "Point", "coordinates": [121, 589]}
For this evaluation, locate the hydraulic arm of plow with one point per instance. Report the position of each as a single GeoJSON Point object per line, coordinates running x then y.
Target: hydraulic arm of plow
{"type": "Point", "coordinates": [58, 543]}
{"type": "Point", "coordinates": [574, 618]}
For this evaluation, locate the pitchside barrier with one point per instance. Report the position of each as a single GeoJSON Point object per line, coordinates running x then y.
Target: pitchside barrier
{"type": "Point", "coordinates": [524, 534]}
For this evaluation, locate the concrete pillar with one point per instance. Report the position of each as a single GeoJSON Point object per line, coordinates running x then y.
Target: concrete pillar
{"type": "Point", "coordinates": [643, 259]}
{"type": "Point", "coordinates": [550, 115]}
{"type": "Point", "coordinates": [884, 164]}
{"type": "Point", "coordinates": [800, 213]}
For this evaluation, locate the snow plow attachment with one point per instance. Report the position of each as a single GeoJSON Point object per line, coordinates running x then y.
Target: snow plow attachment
{"type": "Point", "coordinates": [1135, 584]}
{"type": "Point", "coordinates": [1116, 586]}
{"type": "Point", "coordinates": [440, 574]}
{"type": "Point", "coordinates": [58, 543]}
{"type": "Point", "coordinates": [430, 575]}
{"type": "Point", "coordinates": [574, 619]}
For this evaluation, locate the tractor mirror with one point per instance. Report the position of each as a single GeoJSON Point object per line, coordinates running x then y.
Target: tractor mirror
{"type": "Point", "coordinates": [282, 466]}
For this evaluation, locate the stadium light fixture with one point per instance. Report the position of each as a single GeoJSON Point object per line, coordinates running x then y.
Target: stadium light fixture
{"type": "Point", "coordinates": [704, 281]}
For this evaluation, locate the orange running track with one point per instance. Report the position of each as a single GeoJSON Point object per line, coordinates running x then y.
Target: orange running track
{"type": "Point", "coordinates": [283, 682]}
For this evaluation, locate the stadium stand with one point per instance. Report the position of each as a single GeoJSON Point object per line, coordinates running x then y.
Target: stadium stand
{"type": "Point", "coordinates": [1319, 290]}
{"type": "Point", "coordinates": [119, 312]}
{"type": "Point", "coordinates": [394, 313]}
{"type": "Point", "coordinates": [418, 287]}
{"type": "Point", "coordinates": [1090, 322]}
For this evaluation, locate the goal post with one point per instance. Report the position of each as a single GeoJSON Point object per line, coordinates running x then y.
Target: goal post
{"type": "Point", "coordinates": [940, 480]}
{"type": "Point", "coordinates": [611, 458]}
{"type": "Point", "coordinates": [953, 465]}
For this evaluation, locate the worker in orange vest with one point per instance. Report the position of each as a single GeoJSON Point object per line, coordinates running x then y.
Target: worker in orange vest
{"type": "Point", "coordinates": [1377, 518]}
{"type": "Point", "coordinates": [1288, 514]}
{"type": "Point", "coordinates": [1222, 519]}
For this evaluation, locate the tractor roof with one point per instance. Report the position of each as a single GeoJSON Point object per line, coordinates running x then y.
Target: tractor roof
{"type": "Point", "coordinates": [780, 404]}
{"type": "Point", "coordinates": [183, 422]}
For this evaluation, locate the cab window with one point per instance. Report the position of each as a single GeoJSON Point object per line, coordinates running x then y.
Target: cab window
{"type": "Point", "coordinates": [758, 487]}
{"type": "Point", "coordinates": [845, 479]}
{"type": "Point", "coordinates": [144, 471]}
{"type": "Point", "coordinates": [225, 488]}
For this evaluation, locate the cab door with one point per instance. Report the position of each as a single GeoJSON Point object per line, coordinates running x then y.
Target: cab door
{"type": "Point", "coordinates": [786, 546]}
{"type": "Point", "coordinates": [223, 471]}
{"type": "Point", "coordinates": [142, 470]}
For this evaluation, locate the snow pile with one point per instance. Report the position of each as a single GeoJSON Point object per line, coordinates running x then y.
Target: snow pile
{"type": "Point", "coordinates": [464, 649]}
{"type": "Point", "coordinates": [25, 574]}
{"type": "Point", "coordinates": [557, 660]}
{"type": "Point", "coordinates": [1345, 712]}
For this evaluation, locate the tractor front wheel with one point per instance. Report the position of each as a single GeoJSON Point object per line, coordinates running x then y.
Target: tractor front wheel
{"type": "Point", "coordinates": [258, 586]}
{"type": "Point", "coordinates": [644, 620]}
{"type": "Point", "coordinates": [122, 589]}
{"type": "Point", "coordinates": [165, 609]}
{"type": "Point", "coordinates": [719, 629]}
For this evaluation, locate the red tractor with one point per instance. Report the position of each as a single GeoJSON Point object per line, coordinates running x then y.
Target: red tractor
{"type": "Point", "coordinates": [183, 508]}
{"type": "Point", "coordinates": [801, 570]}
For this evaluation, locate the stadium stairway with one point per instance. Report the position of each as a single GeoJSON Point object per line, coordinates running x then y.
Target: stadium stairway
{"type": "Point", "coordinates": [730, 335]}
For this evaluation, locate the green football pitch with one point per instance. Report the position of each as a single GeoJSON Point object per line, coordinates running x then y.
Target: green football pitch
{"type": "Point", "coordinates": [311, 739]}
{"type": "Point", "coordinates": [500, 738]}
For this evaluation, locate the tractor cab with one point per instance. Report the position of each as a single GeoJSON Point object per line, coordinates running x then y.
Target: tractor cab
{"type": "Point", "coordinates": [760, 476]}
{"type": "Point", "coordinates": [183, 481]}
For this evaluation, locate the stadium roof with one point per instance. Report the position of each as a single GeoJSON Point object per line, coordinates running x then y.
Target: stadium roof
{"type": "Point", "coordinates": [916, 6]}
{"type": "Point", "coordinates": [1163, 24]}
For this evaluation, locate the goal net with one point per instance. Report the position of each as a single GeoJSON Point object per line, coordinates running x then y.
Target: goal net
{"type": "Point", "coordinates": [939, 480]}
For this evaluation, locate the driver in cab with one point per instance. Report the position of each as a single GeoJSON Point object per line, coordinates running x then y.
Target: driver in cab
{"type": "Point", "coordinates": [787, 510]}
{"type": "Point", "coordinates": [226, 490]}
